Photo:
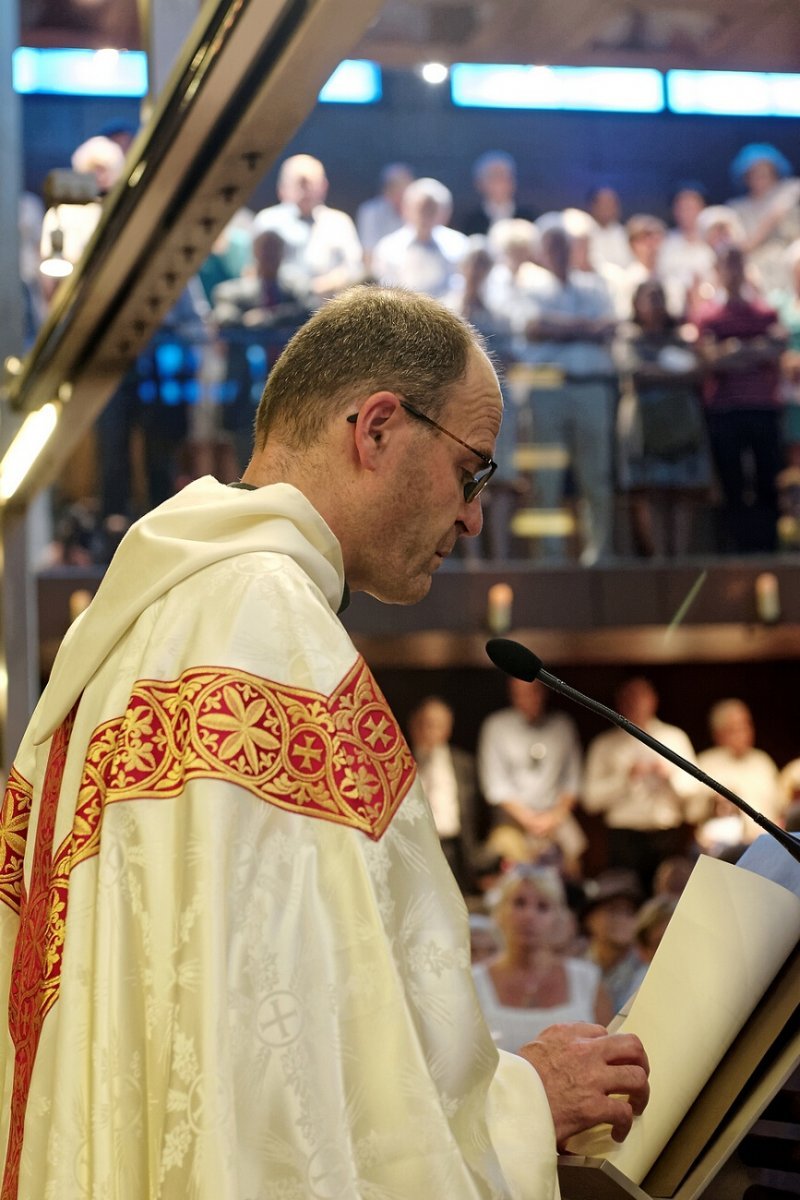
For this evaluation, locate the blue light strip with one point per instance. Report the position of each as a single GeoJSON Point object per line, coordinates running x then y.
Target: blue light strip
{"type": "Point", "coordinates": [82, 72]}
{"type": "Point", "coordinates": [62, 72]}
{"type": "Point", "coordinates": [79, 72]}
{"type": "Point", "coordinates": [355, 81]}
{"type": "Point", "coordinates": [590, 89]}
{"type": "Point", "coordinates": [734, 93]}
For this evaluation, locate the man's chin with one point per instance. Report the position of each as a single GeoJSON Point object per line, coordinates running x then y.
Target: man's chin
{"type": "Point", "coordinates": [411, 592]}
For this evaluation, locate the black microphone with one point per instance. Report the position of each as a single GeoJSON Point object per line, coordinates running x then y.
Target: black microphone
{"type": "Point", "coordinates": [517, 660]}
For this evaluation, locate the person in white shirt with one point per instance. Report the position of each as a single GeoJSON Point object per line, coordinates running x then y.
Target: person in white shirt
{"type": "Point", "coordinates": [323, 255]}
{"type": "Point", "coordinates": [685, 260]}
{"type": "Point", "coordinates": [530, 984]}
{"type": "Point", "coordinates": [383, 214]}
{"type": "Point", "coordinates": [424, 254]}
{"type": "Point", "coordinates": [609, 239]}
{"type": "Point", "coordinates": [646, 237]}
{"type": "Point", "coordinates": [769, 210]}
{"type": "Point", "coordinates": [565, 321]}
{"type": "Point", "coordinates": [529, 766]}
{"type": "Point", "coordinates": [642, 797]}
{"type": "Point", "coordinates": [514, 245]}
{"type": "Point", "coordinates": [735, 762]}
{"type": "Point", "coordinates": [75, 223]}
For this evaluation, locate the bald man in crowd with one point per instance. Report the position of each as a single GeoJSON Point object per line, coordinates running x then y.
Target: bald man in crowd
{"type": "Point", "coordinates": [322, 252]}
{"type": "Point", "coordinates": [644, 800]}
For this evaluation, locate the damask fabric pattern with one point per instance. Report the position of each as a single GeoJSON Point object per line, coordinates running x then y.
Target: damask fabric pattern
{"type": "Point", "coordinates": [253, 968]}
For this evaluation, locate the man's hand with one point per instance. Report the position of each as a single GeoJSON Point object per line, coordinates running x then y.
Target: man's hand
{"type": "Point", "coordinates": [641, 768]}
{"type": "Point", "coordinates": [543, 824]}
{"type": "Point", "coordinates": [591, 1077]}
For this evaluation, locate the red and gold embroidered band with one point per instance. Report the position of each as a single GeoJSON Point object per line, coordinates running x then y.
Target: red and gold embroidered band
{"type": "Point", "coordinates": [340, 758]}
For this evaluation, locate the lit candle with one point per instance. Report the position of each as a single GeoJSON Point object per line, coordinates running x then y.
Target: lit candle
{"type": "Point", "coordinates": [768, 598]}
{"type": "Point", "coordinates": [500, 599]}
{"type": "Point", "coordinates": [79, 600]}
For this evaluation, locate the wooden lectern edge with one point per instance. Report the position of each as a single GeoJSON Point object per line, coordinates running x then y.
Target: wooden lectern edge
{"type": "Point", "coordinates": [582, 1178]}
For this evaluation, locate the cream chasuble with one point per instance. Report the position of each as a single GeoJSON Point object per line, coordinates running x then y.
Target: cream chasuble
{"type": "Point", "coordinates": [234, 962]}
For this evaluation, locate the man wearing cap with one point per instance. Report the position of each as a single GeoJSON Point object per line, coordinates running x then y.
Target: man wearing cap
{"type": "Point", "coordinates": [609, 919]}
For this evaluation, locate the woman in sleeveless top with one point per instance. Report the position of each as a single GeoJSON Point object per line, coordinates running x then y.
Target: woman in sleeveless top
{"type": "Point", "coordinates": [530, 984]}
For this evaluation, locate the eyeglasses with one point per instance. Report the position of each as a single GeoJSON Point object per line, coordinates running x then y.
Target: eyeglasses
{"type": "Point", "coordinates": [475, 485]}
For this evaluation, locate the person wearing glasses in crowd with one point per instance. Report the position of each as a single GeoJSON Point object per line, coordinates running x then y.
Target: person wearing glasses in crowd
{"type": "Point", "coordinates": [228, 925]}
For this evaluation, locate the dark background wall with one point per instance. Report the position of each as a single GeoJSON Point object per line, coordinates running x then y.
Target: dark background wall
{"type": "Point", "coordinates": [560, 155]}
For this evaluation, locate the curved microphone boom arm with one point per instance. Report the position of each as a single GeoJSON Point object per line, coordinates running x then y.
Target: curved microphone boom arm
{"type": "Point", "coordinates": [517, 660]}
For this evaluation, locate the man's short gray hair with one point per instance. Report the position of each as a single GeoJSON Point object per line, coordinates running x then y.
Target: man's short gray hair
{"type": "Point", "coordinates": [365, 340]}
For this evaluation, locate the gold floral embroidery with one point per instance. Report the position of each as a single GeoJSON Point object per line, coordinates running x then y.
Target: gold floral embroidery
{"type": "Point", "coordinates": [14, 818]}
{"type": "Point", "coordinates": [340, 758]}
{"type": "Point", "coordinates": [36, 968]}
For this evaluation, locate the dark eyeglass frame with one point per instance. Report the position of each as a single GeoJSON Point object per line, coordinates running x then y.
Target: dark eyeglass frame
{"type": "Point", "coordinates": [473, 487]}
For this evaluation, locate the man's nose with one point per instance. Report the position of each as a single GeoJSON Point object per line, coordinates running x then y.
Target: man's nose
{"type": "Point", "coordinates": [472, 516]}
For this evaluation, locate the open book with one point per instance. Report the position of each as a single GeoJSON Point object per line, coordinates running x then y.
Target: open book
{"type": "Point", "coordinates": [727, 941]}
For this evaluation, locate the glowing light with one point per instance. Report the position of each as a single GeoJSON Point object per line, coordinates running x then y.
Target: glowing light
{"type": "Point", "coordinates": [56, 267]}
{"type": "Point", "coordinates": [355, 81]}
{"type": "Point", "coordinates": [734, 93]}
{"type": "Point", "coordinates": [31, 439]}
{"type": "Point", "coordinates": [106, 59]}
{"type": "Point", "coordinates": [591, 89]}
{"type": "Point", "coordinates": [63, 72]}
{"type": "Point", "coordinates": [434, 72]}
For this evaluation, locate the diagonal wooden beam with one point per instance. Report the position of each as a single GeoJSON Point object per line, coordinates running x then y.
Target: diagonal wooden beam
{"type": "Point", "coordinates": [248, 76]}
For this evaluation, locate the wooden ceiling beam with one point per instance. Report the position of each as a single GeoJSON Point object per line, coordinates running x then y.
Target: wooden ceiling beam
{"type": "Point", "coordinates": [771, 24]}
{"type": "Point", "coordinates": [763, 36]}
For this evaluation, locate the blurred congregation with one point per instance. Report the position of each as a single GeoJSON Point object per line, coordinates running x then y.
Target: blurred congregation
{"type": "Point", "coordinates": [651, 368]}
{"type": "Point", "coordinates": [650, 362]}
{"type": "Point", "coordinates": [571, 858]}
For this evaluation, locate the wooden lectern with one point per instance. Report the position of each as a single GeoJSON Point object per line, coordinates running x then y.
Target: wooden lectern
{"type": "Point", "coordinates": [758, 1064]}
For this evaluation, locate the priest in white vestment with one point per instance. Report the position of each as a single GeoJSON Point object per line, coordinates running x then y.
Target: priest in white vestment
{"type": "Point", "coordinates": [234, 961]}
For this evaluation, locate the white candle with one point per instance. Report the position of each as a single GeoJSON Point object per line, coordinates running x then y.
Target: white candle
{"type": "Point", "coordinates": [499, 602]}
{"type": "Point", "coordinates": [768, 598]}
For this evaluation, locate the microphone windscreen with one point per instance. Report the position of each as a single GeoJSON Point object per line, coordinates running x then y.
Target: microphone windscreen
{"type": "Point", "coordinates": [513, 658]}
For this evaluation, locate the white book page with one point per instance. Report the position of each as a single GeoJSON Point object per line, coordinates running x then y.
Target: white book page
{"type": "Point", "coordinates": [727, 939]}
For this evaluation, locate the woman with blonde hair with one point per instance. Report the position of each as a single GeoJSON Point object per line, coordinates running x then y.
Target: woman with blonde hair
{"type": "Point", "coordinates": [530, 984]}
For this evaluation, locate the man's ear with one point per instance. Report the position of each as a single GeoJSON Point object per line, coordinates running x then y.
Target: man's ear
{"type": "Point", "coordinates": [373, 427]}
